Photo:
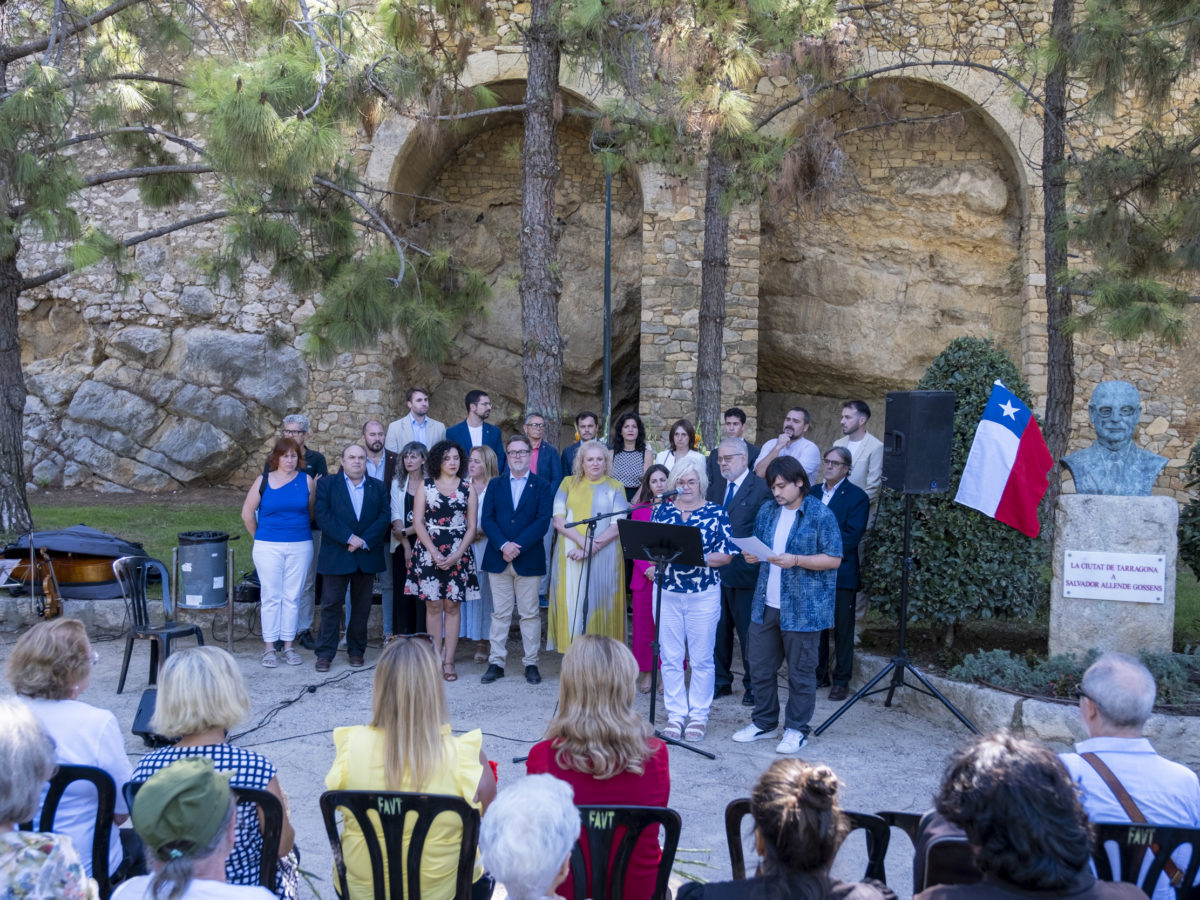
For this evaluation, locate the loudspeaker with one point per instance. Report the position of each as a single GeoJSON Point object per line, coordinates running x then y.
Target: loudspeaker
{"type": "Point", "coordinates": [141, 721]}
{"type": "Point", "coordinates": [918, 432]}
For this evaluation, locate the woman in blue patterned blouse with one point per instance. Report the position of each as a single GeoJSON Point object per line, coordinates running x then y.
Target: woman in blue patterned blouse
{"type": "Point", "coordinates": [691, 604]}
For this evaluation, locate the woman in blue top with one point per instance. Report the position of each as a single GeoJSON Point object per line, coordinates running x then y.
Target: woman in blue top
{"type": "Point", "coordinates": [277, 513]}
{"type": "Point", "coordinates": [691, 603]}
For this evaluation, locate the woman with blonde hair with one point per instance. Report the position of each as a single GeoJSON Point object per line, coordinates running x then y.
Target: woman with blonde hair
{"type": "Point", "coordinates": [798, 828]}
{"type": "Point", "coordinates": [408, 747]}
{"type": "Point", "coordinates": [599, 745]}
{"type": "Point", "coordinates": [50, 666]}
{"type": "Point", "coordinates": [590, 491]}
{"type": "Point", "coordinates": [201, 696]}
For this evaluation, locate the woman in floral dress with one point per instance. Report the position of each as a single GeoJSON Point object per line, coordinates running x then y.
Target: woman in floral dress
{"type": "Point", "coordinates": [442, 571]}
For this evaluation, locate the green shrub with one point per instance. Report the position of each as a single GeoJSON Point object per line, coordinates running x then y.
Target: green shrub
{"type": "Point", "coordinates": [966, 565]}
{"type": "Point", "coordinates": [1189, 516]}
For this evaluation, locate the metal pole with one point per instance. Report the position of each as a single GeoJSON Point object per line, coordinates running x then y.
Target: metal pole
{"type": "Point", "coordinates": [606, 399]}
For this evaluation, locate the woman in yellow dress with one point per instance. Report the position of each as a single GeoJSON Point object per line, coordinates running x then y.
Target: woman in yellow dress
{"type": "Point", "coordinates": [589, 491]}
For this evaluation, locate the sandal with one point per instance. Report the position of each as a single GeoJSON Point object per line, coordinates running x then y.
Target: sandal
{"type": "Point", "coordinates": [448, 673]}
{"type": "Point", "coordinates": [643, 683]}
{"type": "Point", "coordinates": [269, 660]}
{"type": "Point", "coordinates": [673, 731]}
{"type": "Point", "coordinates": [695, 731]}
{"type": "Point", "coordinates": [291, 657]}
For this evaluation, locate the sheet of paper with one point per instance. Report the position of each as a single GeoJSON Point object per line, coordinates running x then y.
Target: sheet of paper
{"type": "Point", "coordinates": [753, 546]}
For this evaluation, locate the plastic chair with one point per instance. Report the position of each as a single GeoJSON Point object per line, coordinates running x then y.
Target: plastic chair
{"type": "Point", "coordinates": [106, 800]}
{"type": "Point", "coordinates": [386, 812]}
{"type": "Point", "coordinates": [1129, 844]}
{"type": "Point", "coordinates": [878, 836]}
{"type": "Point", "coordinates": [270, 821]}
{"type": "Point", "coordinates": [131, 572]}
{"type": "Point", "coordinates": [601, 825]}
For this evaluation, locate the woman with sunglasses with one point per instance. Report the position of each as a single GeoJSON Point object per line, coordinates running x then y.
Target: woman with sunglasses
{"type": "Point", "coordinates": [408, 747]}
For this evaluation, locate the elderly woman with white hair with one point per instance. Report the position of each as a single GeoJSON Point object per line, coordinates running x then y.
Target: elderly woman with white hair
{"type": "Point", "coordinates": [33, 865]}
{"type": "Point", "coordinates": [691, 603]}
{"type": "Point", "coordinates": [527, 836]}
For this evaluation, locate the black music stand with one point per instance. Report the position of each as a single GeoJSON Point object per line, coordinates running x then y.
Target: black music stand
{"type": "Point", "coordinates": [661, 544]}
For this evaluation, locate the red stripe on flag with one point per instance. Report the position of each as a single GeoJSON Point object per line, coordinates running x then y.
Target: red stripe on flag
{"type": "Point", "coordinates": [1027, 482]}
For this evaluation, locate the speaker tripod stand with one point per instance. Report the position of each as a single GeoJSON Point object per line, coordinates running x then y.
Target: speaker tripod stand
{"type": "Point", "coordinates": [900, 663]}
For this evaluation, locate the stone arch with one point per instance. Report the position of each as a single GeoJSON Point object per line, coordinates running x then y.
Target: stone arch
{"type": "Point", "coordinates": [930, 239]}
{"type": "Point", "coordinates": [463, 189]}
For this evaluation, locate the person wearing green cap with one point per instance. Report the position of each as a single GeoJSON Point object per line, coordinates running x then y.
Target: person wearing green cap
{"type": "Point", "coordinates": [185, 816]}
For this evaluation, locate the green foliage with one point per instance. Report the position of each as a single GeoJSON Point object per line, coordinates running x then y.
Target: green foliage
{"type": "Point", "coordinates": [967, 565]}
{"type": "Point", "coordinates": [1189, 516]}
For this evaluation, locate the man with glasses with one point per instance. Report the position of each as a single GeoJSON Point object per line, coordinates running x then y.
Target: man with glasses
{"type": "Point", "coordinates": [296, 427]}
{"type": "Point", "coordinates": [515, 517]}
{"type": "Point", "coordinates": [741, 493]}
{"type": "Point", "coordinates": [850, 506]}
{"type": "Point", "coordinates": [734, 427]}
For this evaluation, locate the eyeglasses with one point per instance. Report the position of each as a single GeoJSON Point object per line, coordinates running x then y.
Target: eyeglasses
{"type": "Point", "coordinates": [1079, 692]}
{"type": "Point", "coordinates": [731, 458]}
{"type": "Point", "coordinates": [292, 432]}
{"type": "Point", "coordinates": [687, 482]}
{"type": "Point", "coordinates": [535, 424]}
{"type": "Point", "coordinates": [833, 462]}
{"type": "Point", "coordinates": [518, 452]}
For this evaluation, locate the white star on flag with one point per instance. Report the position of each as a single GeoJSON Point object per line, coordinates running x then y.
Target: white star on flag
{"type": "Point", "coordinates": [1009, 410]}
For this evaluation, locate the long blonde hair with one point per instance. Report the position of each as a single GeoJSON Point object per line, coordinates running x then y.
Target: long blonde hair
{"type": "Point", "coordinates": [577, 465]}
{"type": "Point", "coordinates": [408, 704]}
{"type": "Point", "coordinates": [595, 730]}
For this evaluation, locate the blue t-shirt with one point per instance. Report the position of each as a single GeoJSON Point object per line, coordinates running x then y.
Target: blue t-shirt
{"type": "Point", "coordinates": [283, 512]}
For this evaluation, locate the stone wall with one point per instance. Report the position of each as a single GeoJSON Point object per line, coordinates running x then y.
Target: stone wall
{"type": "Point", "coordinates": [935, 234]}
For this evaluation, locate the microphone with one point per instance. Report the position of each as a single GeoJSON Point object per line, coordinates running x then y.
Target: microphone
{"type": "Point", "coordinates": [669, 495]}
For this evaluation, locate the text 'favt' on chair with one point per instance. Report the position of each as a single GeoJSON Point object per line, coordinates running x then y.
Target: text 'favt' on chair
{"type": "Point", "coordinates": [270, 822]}
{"type": "Point", "coordinates": [1120, 852]}
{"type": "Point", "coordinates": [106, 800]}
{"type": "Point", "coordinates": [387, 814]}
{"type": "Point", "coordinates": [132, 573]}
{"type": "Point", "coordinates": [877, 831]}
{"type": "Point", "coordinates": [606, 826]}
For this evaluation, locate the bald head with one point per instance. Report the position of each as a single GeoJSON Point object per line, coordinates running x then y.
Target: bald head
{"type": "Point", "coordinates": [1121, 691]}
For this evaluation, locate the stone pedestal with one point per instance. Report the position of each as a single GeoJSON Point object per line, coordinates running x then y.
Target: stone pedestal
{"type": "Point", "coordinates": [1102, 524]}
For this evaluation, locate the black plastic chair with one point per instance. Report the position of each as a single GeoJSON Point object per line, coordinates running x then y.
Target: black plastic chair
{"type": "Point", "coordinates": [270, 821]}
{"type": "Point", "coordinates": [601, 825]}
{"type": "Point", "coordinates": [877, 831]}
{"type": "Point", "coordinates": [1130, 844]}
{"type": "Point", "coordinates": [106, 801]}
{"type": "Point", "coordinates": [132, 572]}
{"type": "Point", "coordinates": [385, 812]}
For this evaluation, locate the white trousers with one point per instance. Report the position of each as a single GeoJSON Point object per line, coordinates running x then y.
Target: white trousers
{"type": "Point", "coordinates": [282, 567]}
{"type": "Point", "coordinates": [689, 630]}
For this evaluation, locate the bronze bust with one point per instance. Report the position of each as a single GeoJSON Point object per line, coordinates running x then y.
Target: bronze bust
{"type": "Point", "coordinates": [1112, 464]}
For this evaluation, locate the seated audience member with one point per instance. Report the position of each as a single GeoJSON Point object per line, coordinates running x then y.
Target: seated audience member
{"type": "Point", "coordinates": [50, 666]}
{"type": "Point", "coordinates": [201, 696]}
{"type": "Point", "coordinates": [1116, 698]}
{"type": "Point", "coordinates": [186, 815]}
{"type": "Point", "coordinates": [527, 837]}
{"type": "Point", "coordinates": [599, 745]}
{"type": "Point", "coordinates": [798, 828]}
{"type": "Point", "coordinates": [408, 747]}
{"type": "Point", "coordinates": [1023, 819]}
{"type": "Point", "coordinates": [36, 866]}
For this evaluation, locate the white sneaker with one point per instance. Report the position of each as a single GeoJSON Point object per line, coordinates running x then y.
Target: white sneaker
{"type": "Point", "coordinates": [792, 741]}
{"type": "Point", "coordinates": [752, 732]}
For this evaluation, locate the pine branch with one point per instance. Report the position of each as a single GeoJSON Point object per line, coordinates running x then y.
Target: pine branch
{"type": "Point", "coordinates": [148, 130]}
{"type": "Point", "coordinates": [12, 54]}
{"type": "Point", "coordinates": [145, 172]}
{"type": "Point", "coordinates": [133, 76]}
{"type": "Point", "coordinates": [54, 274]}
{"type": "Point", "coordinates": [397, 242]}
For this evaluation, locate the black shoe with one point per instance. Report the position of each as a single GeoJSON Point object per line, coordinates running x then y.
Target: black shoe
{"type": "Point", "coordinates": [724, 690]}
{"type": "Point", "coordinates": [493, 672]}
{"type": "Point", "coordinates": [824, 681]}
{"type": "Point", "coordinates": [532, 675]}
{"type": "Point", "coordinates": [838, 692]}
{"type": "Point", "coordinates": [747, 699]}
{"type": "Point", "coordinates": [305, 640]}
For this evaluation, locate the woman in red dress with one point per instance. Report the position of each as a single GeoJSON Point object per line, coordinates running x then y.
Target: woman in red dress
{"type": "Point", "coordinates": [603, 749]}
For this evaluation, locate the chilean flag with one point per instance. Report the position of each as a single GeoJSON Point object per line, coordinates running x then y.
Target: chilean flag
{"type": "Point", "coordinates": [1008, 468]}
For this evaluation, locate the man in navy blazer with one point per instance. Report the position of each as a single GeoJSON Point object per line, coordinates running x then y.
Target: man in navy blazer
{"type": "Point", "coordinates": [851, 507]}
{"type": "Point", "coordinates": [353, 512]}
{"type": "Point", "coordinates": [516, 516]}
{"type": "Point", "coordinates": [474, 431]}
{"type": "Point", "coordinates": [739, 578]}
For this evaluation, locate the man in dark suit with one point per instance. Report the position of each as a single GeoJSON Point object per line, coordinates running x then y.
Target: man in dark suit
{"type": "Point", "coordinates": [382, 464]}
{"type": "Point", "coordinates": [515, 517]}
{"type": "Point", "coordinates": [735, 427]}
{"type": "Point", "coordinates": [851, 506]}
{"type": "Point", "coordinates": [587, 423]}
{"type": "Point", "coordinates": [742, 494]}
{"type": "Point", "coordinates": [546, 464]}
{"type": "Point", "coordinates": [474, 431]}
{"type": "Point", "coordinates": [353, 513]}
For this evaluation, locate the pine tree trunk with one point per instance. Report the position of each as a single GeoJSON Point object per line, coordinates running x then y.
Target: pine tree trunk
{"type": "Point", "coordinates": [541, 343]}
{"type": "Point", "coordinates": [1060, 362]}
{"type": "Point", "coordinates": [714, 274]}
{"type": "Point", "coordinates": [14, 507]}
